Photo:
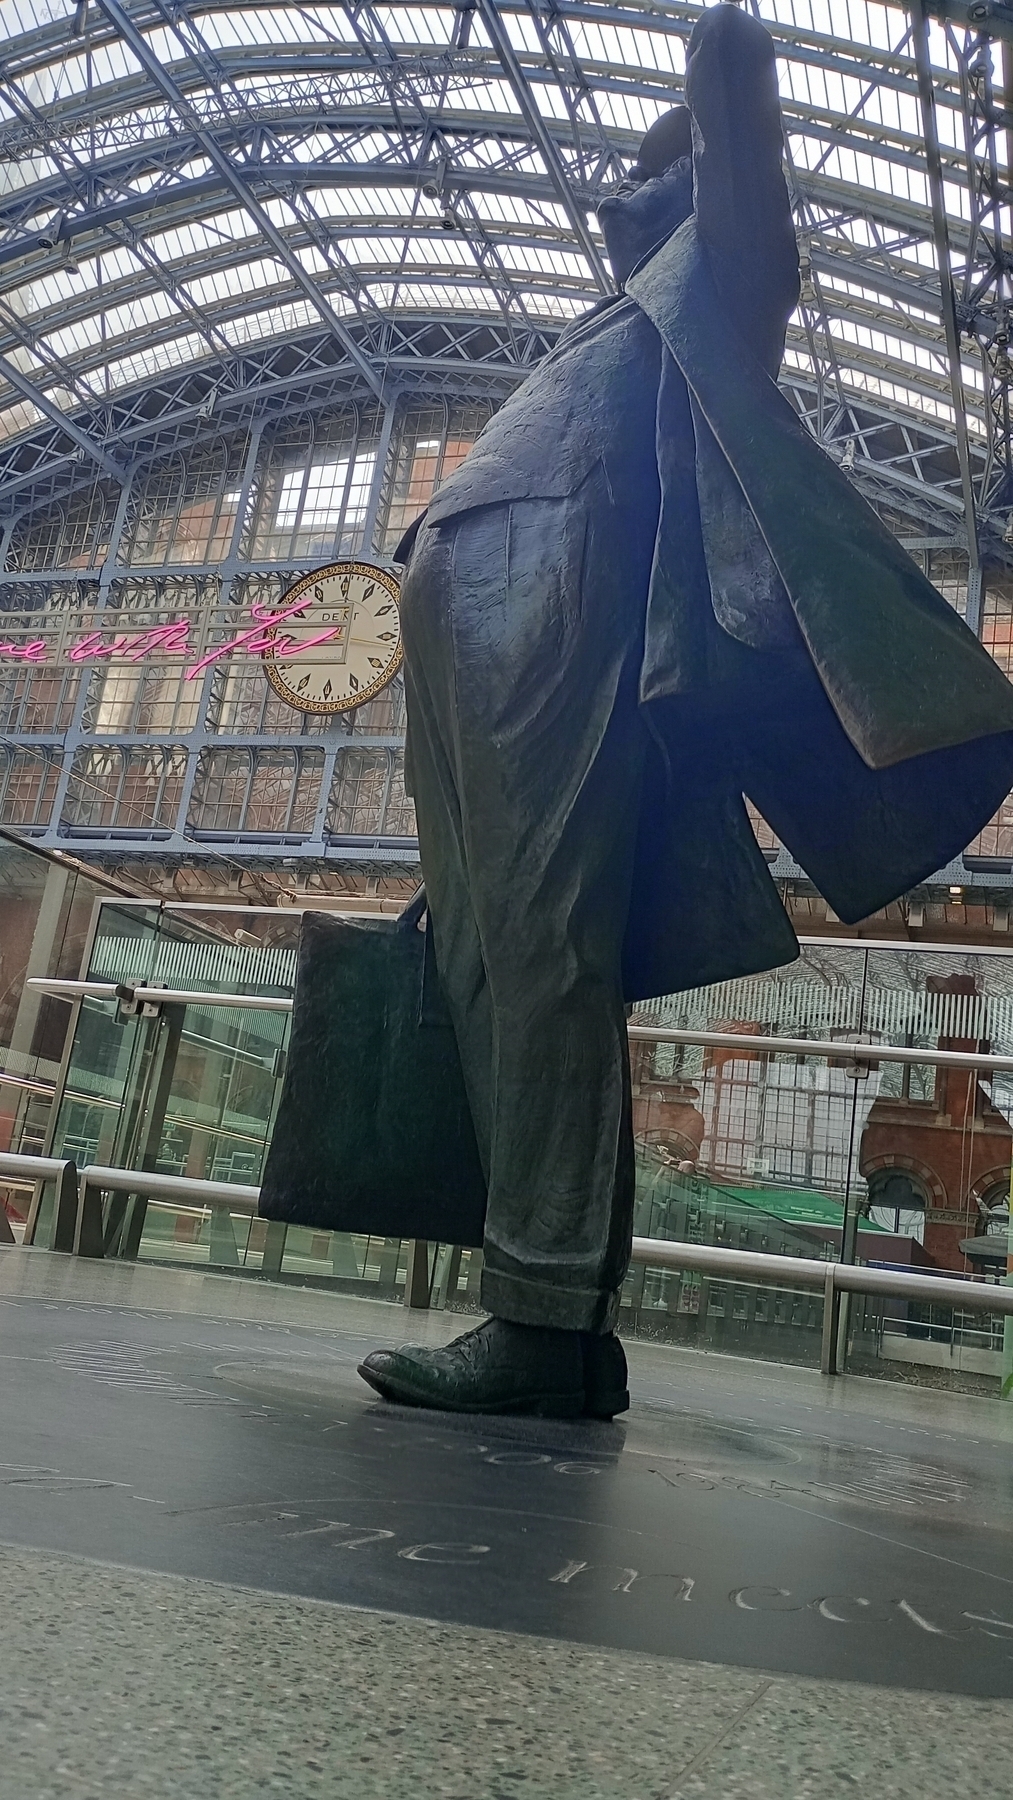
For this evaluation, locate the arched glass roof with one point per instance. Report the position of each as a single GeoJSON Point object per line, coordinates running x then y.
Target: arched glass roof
{"type": "Point", "coordinates": [209, 207]}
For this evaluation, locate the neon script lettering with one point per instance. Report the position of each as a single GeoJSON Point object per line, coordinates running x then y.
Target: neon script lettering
{"type": "Point", "coordinates": [258, 638]}
{"type": "Point", "coordinates": [34, 652]}
{"type": "Point", "coordinates": [174, 640]}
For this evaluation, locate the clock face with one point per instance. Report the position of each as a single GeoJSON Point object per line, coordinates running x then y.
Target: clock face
{"type": "Point", "coordinates": [343, 646]}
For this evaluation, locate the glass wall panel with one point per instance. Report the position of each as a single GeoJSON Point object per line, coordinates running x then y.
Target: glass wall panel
{"type": "Point", "coordinates": [131, 787]}
{"type": "Point", "coordinates": [46, 908]}
{"type": "Point", "coordinates": [28, 782]}
{"type": "Point", "coordinates": [37, 700]}
{"type": "Point", "coordinates": [995, 840]}
{"type": "Point", "coordinates": [358, 793]}
{"type": "Point", "coordinates": [256, 790]}
{"type": "Point", "coordinates": [135, 698]}
{"type": "Point", "coordinates": [368, 796]}
{"type": "Point", "coordinates": [431, 443]}
{"type": "Point", "coordinates": [191, 1091]}
{"type": "Point", "coordinates": [786, 1150]}
{"type": "Point", "coordinates": [313, 488]}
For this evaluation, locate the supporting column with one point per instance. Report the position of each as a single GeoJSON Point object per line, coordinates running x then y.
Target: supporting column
{"type": "Point", "coordinates": [370, 547]}
{"type": "Point", "coordinates": [831, 1323]}
{"type": "Point", "coordinates": [1006, 1390]}
{"type": "Point", "coordinates": [75, 733]}
{"type": "Point", "coordinates": [66, 1205]}
{"type": "Point", "coordinates": [416, 1287]}
{"type": "Point", "coordinates": [88, 1239]}
{"type": "Point", "coordinates": [223, 1251]}
{"type": "Point", "coordinates": [274, 1247]}
{"type": "Point", "coordinates": [197, 736]}
{"type": "Point", "coordinates": [975, 614]}
{"type": "Point", "coordinates": [947, 295]}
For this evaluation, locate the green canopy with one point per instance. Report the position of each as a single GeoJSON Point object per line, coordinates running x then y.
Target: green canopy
{"type": "Point", "coordinates": [794, 1206]}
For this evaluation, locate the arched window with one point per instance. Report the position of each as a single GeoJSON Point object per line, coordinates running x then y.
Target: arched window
{"type": "Point", "coordinates": [312, 496]}
{"type": "Point", "coordinates": [897, 1202]}
{"type": "Point", "coordinates": [185, 510]}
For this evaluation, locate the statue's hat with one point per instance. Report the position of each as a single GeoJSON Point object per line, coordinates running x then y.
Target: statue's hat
{"type": "Point", "coordinates": [668, 139]}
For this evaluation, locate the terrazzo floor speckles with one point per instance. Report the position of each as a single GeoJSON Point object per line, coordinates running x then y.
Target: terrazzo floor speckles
{"type": "Point", "coordinates": [122, 1685]}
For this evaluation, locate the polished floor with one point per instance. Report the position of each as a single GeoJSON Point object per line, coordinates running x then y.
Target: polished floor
{"type": "Point", "coordinates": [228, 1569]}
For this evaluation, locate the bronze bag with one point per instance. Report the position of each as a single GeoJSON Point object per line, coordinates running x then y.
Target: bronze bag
{"type": "Point", "coordinates": [374, 1132]}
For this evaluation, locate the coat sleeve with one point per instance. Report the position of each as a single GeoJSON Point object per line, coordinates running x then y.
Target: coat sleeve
{"type": "Point", "coordinates": [741, 200]}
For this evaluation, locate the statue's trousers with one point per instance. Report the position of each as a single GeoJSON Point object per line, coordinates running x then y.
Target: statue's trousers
{"type": "Point", "coordinates": [523, 629]}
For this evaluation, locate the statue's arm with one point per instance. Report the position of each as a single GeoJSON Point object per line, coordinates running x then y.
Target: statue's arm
{"type": "Point", "coordinates": [741, 199]}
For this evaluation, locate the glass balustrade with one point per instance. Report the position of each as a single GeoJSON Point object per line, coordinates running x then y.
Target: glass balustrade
{"type": "Point", "coordinates": [46, 908]}
{"type": "Point", "coordinates": [792, 1151]}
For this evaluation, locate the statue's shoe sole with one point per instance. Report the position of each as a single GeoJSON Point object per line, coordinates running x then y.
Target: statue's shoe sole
{"type": "Point", "coordinates": [533, 1405]}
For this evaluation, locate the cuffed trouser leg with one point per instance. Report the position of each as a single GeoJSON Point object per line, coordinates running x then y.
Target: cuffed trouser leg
{"type": "Point", "coordinates": [523, 628]}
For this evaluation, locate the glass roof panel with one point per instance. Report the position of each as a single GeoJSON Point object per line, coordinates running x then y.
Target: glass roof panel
{"type": "Point", "coordinates": [332, 123]}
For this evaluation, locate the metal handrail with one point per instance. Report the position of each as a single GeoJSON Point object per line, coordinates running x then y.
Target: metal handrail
{"type": "Point", "coordinates": [836, 1279]}
{"type": "Point", "coordinates": [808, 1272]}
{"type": "Point", "coordinates": [707, 1259]}
{"type": "Point", "coordinates": [155, 996]}
{"type": "Point", "coordinates": [153, 1186]}
{"type": "Point", "coordinates": [836, 1049]}
{"type": "Point", "coordinates": [919, 946]}
{"type": "Point", "coordinates": [842, 1050]}
{"type": "Point", "coordinates": [756, 1267]}
{"type": "Point", "coordinates": [37, 1169]}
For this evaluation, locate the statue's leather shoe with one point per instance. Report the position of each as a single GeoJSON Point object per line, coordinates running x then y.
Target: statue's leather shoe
{"type": "Point", "coordinates": [605, 1376]}
{"type": "Point", "coordinates": [497, 1368]}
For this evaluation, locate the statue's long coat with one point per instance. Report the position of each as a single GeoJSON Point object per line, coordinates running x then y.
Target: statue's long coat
{"type": "Point", "coordinates": [793, 651]}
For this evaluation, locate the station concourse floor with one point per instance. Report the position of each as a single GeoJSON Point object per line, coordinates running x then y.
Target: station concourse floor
{"type": "Point", "coordinates": [228, 1570]}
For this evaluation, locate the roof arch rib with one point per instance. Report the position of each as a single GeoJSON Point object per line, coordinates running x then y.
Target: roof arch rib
{"type": "Point", "coordinates": [211, 209]}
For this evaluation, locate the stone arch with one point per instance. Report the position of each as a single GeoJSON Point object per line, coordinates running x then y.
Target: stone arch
{"type": "Point", "coordinates": [989, 1178]}
{"type": "Point", "coordinates": [926, 1177]}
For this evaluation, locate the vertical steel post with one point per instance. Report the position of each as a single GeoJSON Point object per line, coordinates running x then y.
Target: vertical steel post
{"type": "Point", "coordinates": [416, 1287]}
{"type": "Point", "coordinates": [370, 547]}
{"type": "Point", "coordinates": [1006, 1389]}
{"type": "Point", "coordinates": [948, 301]}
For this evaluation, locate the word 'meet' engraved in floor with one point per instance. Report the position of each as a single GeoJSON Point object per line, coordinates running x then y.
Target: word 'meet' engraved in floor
{"type": "Point", "coordinates": [684, 1583]}
{"type": "Point", "coordinates": [837, 1609]}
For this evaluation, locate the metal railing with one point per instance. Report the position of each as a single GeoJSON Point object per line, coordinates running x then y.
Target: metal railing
{"type": "Point", "coordinates": [78, 1228]}
{"type": "Point", "coordinates": [834, 1278]}
{"type": "Point", "coordinates": [34, 1172]}
{"type": "Point", "coordinates": [859, 1058]}
{"type": "Point", "coordinates": [138, 994]}
{"type": "Point", "coordinates": [220, 1198]}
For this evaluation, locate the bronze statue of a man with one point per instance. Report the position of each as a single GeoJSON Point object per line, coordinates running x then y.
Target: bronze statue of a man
{"type": "Point", "coordinates": [646, 593]}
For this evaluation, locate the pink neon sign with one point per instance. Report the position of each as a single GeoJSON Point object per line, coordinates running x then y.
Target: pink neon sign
{"type": "Point", "coordinates": [174, 640]}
